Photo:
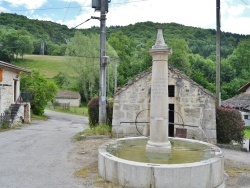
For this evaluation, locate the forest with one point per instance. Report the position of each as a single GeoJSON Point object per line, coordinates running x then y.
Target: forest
{"type": "Point", "coordinates": [194, 52]}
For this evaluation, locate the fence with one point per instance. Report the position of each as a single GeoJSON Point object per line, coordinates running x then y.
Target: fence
{"type": "Point", "coordinates": [63, 106]}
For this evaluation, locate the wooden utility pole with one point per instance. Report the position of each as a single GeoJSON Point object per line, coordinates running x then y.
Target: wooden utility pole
{"type": "Point", "coordinates": [218, 96]}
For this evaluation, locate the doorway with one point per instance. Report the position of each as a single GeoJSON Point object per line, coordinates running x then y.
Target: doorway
{"type": "Point", "coordinates": [15, 90]}
{"type": "Point", "coordinates": [171, 120]}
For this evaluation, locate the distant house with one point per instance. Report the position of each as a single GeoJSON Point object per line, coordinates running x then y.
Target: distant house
{"type": "Point", "coordinates": [66, 96]}
{"type": "Point", "coordinates": [10, 95]}
{"type": "Point", "coordinates": [241, 102]}
{"type": "Point", "coordinates": [189, 104]}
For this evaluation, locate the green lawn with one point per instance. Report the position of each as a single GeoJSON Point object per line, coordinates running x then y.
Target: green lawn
{"type": "Point", "coordinates": [72, 110]}
{"type": "Point", "coordinates": [49, 66]}
{"type": "Point", "coordinates": [247, 132]}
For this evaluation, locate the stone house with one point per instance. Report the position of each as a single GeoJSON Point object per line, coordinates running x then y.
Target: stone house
{"type": "Point", "coordinates": [10, 95]}
{"type": "Point", "coordinates": [71, 97]}
{"type": "Point", "coordinates": [241, 102]}
{"type": "Point", "coordinates": [189, 104]}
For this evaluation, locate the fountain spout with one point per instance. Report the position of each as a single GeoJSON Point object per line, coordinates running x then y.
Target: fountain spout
{"type": "Point", "coordinates": [159, 142]}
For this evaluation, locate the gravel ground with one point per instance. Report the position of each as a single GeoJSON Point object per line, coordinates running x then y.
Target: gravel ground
{"type": "Point", "coordinates": [237, 166]}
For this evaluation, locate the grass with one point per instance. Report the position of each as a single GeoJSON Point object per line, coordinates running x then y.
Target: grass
{"type": "Point", "coordinates": [49, 66]}
{"type": "Point", "coordinates": [98, 130]}
{"type": "Point", "coordinates": [73, 110]}
{"type": "Point", "coordinates": [247, 132]}
{"type": "Point", "coordinates": [37, 117]}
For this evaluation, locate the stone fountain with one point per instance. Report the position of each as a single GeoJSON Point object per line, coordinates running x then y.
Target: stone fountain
{"type": "Point", "coordinates": [161, 161]}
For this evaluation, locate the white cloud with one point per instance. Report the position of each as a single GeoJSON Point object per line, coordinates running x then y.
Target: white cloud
{"type": "Point", "coordinates": [236, 25]}
{"type": "Point", "coordinates": [29, 4]}
{"type": "Point", "coordinates": [81, 2]}
{"type": "Point", "coordinates": [193, 13]}
{"type": "Point", "coordinates": [234, 18]}
{"type": "Point", "coordinates": [42, 18]}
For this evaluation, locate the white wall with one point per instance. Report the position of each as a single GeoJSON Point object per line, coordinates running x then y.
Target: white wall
{"type": "Point", "coordinates": [73, 102]}
{"type": "Point", "coordinates": [7, 92]}
{"type": "Point", "coordinates": [247, 121]}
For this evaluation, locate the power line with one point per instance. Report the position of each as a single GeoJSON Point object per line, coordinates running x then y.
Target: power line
{"type": "Point", "coordinates": [244, 2]}
{"type": "Point", "coordinates": [55, 8]}
{"type": "Point", "coordinates": [67, 10]}
{"type": "Point", "coordinates": [68, 7]}
{"type": "Point", "coordinates": [83, 22]}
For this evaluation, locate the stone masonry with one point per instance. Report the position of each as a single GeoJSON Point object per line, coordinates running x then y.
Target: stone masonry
{"type": "Point", "coordinates": [193, 106]}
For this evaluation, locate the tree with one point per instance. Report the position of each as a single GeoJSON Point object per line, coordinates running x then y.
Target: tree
{"type": "Point", "coordinates": [242, 53]}
{"type": "Point", "coordinates": [15, 42]}
{"type": "Point", "coordinates": [42, 90]}
{"type": "Point", "coordinates": [83, 52]}
{"type": "Point", "coordinates": [179, 58]}
{"type": "Point", "coordinates": [124, 47]}
{"type": "Point", "coordinates": [25, 45]}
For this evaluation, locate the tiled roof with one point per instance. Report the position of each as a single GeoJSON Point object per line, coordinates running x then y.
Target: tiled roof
{"type": "Point", "coordinates": [244, 88]}
{"type": "Point", "coordinates": [10, 66]}
{"type": "Point", "coordinates": [241, 101]}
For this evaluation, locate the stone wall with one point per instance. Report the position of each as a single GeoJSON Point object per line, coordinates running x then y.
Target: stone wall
{"type": "Point", "coordinates": [194, 106]}
{"type": "Point", "coordinates": [7, 92]}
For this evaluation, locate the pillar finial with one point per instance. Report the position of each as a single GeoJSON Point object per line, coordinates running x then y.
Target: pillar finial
{"type": "Point", "coordinates": [160, 43]}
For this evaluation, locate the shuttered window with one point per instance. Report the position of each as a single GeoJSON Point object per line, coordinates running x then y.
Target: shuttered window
{"type": "Point", "coordinates": [1, 75]}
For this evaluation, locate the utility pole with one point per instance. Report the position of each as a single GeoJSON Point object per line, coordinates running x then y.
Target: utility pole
{"type": "Point", "coordinates": [42, 48]}
{"type": "Point", "coordinates": [102, 92]}
{"type": "Point", "coordinates": [102, 6]}
{"type": "Point", "coordinates": [115, 74]}
{"type": "Point", "coordinates": [218, 53]}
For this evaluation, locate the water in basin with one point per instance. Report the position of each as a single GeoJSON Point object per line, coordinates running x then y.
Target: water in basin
{"type": "Point", "coordinates": [181, 151]}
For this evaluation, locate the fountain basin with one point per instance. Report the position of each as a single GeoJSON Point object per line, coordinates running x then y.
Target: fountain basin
{"type": "Point", "coordinates": [206, 172]}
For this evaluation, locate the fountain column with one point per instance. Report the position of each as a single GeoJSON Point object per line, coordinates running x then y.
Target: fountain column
{"type": "Point", "coordinates": [159, 142]}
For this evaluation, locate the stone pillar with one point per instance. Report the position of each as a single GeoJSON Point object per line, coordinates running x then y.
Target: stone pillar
{"type": "Point", "coordinates": [159, 142]}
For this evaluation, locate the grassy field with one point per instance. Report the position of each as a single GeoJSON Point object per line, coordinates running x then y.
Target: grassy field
{"type": "Point", "coordinates": [247, 133]}
{"type": "Point", "coordinates": [49, 66]}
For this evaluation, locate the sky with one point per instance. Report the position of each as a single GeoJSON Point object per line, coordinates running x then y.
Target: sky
{"type": "Point", "coordinates": [235, 14]}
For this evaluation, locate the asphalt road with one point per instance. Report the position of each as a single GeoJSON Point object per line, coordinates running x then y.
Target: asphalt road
{"type": "Point", "coordinates": [39, 155]}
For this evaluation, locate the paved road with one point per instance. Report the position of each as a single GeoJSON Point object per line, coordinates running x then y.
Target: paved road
{"type": "Point", "coordinates": [38, 156]}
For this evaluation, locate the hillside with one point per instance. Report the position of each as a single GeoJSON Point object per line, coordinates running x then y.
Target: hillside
{"type": "Point", "coordinates": [49, 66]}
{"type": "Point", "coordinates": [194, 51]}
{"type": "Point", "coordinates": [200, 41]}
{"type": "Point", "coordinates": [44, 30]}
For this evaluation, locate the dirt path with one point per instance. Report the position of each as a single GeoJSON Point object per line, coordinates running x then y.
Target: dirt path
{"type": "Point", "coordinates": [236, 166]}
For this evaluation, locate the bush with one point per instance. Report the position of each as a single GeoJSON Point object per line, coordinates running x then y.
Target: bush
{"type": "Point", "coordinates": [93, 109]}
{"type": "Point", "coordinates": [229, 124]}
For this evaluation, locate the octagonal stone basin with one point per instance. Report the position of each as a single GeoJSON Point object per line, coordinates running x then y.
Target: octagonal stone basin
{"type": "Point", "coordinates": [200, 165]}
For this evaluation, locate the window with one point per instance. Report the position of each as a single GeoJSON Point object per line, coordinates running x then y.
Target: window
{"type": "Point", "coordinates": [171, 92]}
{"type": "Point", "coordinates": [245, 116]}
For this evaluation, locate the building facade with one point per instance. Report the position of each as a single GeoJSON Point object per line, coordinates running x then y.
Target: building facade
{"type": "Point", "coordinates": [10, 95]}
{"type": "Point", "coordinates": [191, 107]}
